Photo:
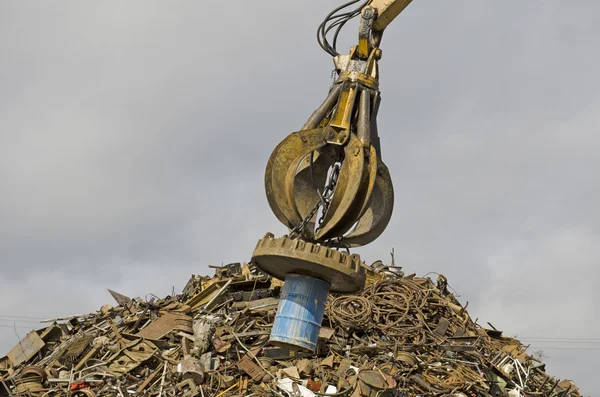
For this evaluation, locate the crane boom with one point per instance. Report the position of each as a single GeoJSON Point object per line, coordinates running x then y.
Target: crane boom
{"type": "Point", "coordinates": [387, 11]}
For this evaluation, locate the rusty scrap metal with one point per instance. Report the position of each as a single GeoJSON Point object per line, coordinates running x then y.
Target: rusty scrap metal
{"type": "Point", "coordinates": [398, 336]}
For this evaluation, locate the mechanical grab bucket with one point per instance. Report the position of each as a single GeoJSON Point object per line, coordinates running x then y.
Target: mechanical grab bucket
{"type": "Point", "coordinates": [327, 182]}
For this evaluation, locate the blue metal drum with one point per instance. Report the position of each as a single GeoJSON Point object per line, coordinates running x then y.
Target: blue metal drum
{"type": "Point", "coordinates": [300, 312]}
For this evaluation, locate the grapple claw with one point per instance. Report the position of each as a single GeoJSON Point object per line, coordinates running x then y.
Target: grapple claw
{"type": "Point", "coordinates": [331, 170]}
{"type": "Point", "coordinates": [350, 184]}
{"type": "Point", "coordinates": [352, 193]}
{"type": "Point", "coordinates": [378, 213]}
{"type": "Point", "coordinates": [281, 171]}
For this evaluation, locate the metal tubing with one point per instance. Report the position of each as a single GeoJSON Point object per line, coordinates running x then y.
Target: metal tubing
{"type": "Point", "coordinates": [364, 122]}
{"type": "Point", "coordinates": [322, 110]}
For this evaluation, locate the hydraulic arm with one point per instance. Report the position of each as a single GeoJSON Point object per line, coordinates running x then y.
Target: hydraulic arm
{"type": "Point", "coordinates": [327, 182]}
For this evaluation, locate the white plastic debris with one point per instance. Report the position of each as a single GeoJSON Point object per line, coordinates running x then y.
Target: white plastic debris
{"type": "Point", "coordinates": [287, 385]}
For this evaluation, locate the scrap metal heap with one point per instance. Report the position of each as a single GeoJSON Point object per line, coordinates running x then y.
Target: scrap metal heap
{"type": "Point", "coordinates": [400, 335]}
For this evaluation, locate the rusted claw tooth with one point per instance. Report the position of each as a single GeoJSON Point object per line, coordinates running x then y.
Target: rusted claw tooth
{"type": "Point", "coordinates": [281, 171]}
{"type": "Point", "coordinates": [378, 213]}
{"type": "Point", "coordinates": [350, 192]}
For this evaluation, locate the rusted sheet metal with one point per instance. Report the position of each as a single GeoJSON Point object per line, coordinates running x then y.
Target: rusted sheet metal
{"type": "Point", "coordinates": [77, 346]}
{"type": "Point", "coordinates": [387, 339]}
{"type": "Point", "coordinates": [205, 295]}
{"type": "Point", "coordinates": [166, 323]}
{"type": "Point", "coordinates": [326, 333]}
{"type": "Point", "coordinates": [442, 326]}
{"type": "Point", "coordinates": [245, 334]}
{"type": "Point", "coordinates": [4, 364]}
{"type": "Point", "coordinates": [122, 300]}
{"type": "Point", "coordinates": [252, 369]}
{"type": "Point", "coordinates": [26, 348]}
{"type": "Point", "coordinates": [258, 305]}
{"type": "Point", "coordinates": [131, 357]}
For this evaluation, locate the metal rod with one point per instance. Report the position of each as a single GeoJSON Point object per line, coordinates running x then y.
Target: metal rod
{"type": "Point", "coordinates": [162, 382]}
{"type": "Point", "coordinates": [566, 391]}
{"type": "Point", "coordinates": [328, 104]}
{"type": "Point", "coordinates": [544, 383]}
{"type": "Point", "coordinates": [86, 358]}
{"type": "Point", "coordinates": [217, 294]}
{"type": "Point", "coordinates": [364, 116]}
{"type": "Point", "coordinates": [7, 388]}
{"type": "Point", "coordinates": [516, 362]}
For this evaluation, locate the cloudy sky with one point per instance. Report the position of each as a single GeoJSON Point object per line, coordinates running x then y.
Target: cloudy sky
{"type": "Point", "coordinates": [133, 141]}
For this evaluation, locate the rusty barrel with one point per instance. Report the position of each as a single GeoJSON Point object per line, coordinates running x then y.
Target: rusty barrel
{"type": "Point", "coordinates": [300, 312]}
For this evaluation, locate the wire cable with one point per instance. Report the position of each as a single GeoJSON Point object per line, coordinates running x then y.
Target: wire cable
{"type": "Point", "coordinates": [335, 20]}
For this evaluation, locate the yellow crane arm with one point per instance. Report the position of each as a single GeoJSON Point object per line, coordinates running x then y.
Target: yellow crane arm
{"type": "Point", "coordinates": [386, 11]}
{"type": "Point", "coordinates": [376, 15]}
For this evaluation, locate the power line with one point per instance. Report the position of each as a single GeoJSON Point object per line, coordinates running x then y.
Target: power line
{"type": "Point", "coordinates": [557, 338]}
{"type": "Point", "coordinates": [13, 326]}
{"type": "Point", "coordinates": [567, 348]}
{"type": "Point", "coordinates": [21, 321]}
{"type": "Point", "coordinates": [26, 317]}
{"type": "Point", "coordinates": [558, 341]}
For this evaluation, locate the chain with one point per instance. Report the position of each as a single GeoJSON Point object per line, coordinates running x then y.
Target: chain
{"type": "Point", "coordinates": [324, 201]}
{"type": "Point", "coordinates": [328, 191]}
{"type": "Point", "coordinates": [299, 230]}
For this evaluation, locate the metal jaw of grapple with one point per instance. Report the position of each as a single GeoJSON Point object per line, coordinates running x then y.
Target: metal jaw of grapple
{"type": "Point", "coordinates": [334, 162]}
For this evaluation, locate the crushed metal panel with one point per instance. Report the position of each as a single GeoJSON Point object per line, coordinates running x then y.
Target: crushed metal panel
{"type": "Point", "coordinates": [25, 349]}
{"type": "Point", "coordinates": [121, 299]}
{"type": "Point", "coordinates": [165, 324]}
{"type": "Point", "coordinates": [77, 346]}
{"type": "Point", "coordinates": [4, 364]}
{"type": "Point", "coordinates": [51, 333]}
{"type": "Point", "coordinates": [246, 334]}
{"type": "Point", "coordinates": [493, 333]}
{"type": "Point", "coordinates": [515, 351]}
{"type": "Point", "coordinates": [205, 295]}
{"type": "Point", "coordinates": [326, 333]}
{"type": "Point", "coordinates": [458, 348]}
{"type": "Point", "coordinates": [248, 366]}
{"type": "Point", "coordinates": [257, 305]}
{"type": "Point", "coordinates": [442, 326]}
{"type": "Point", "coordinates": [131, 357]}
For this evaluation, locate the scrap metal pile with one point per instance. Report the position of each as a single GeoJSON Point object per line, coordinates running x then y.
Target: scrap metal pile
{"type": "Point", "coordinates": [400, 336]}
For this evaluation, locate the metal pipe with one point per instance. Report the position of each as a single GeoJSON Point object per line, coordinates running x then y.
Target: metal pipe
{"type": "Point", "coordinates": [553, 387]}
{"type": "Point", "coordinates": [328, 104]}
{"type": "Point", "coordinates": [364, 123]}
